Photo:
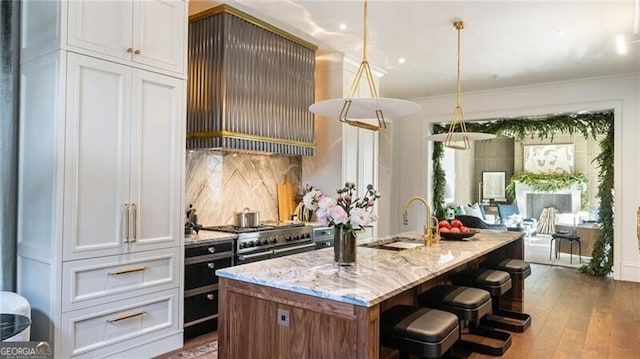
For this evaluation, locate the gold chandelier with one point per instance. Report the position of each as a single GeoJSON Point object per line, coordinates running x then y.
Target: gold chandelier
{"type": "Point", "coordinates": [454, 138]}
{"type": "Point", "coordinates": [349, 110]}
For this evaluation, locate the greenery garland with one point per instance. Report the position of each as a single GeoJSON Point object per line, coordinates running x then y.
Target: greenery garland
{"type": "Point", "coordinates": [589, 124]}
{"type": "Point", "coordinates": [549, 182]}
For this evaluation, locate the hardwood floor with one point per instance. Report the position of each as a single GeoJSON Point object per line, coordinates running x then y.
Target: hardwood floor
{"type": "Point", "coordinates": [573, 316]}
{"type": "Point", "coordinates": [578, 316]}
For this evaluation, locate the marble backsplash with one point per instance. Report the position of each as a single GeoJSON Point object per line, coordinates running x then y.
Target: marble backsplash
{"type": "Point", "coordinates": [218, 184]}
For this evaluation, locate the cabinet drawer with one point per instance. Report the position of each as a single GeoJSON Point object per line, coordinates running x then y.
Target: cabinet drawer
{"type": "Point", "coordinates": [203, 273]}
{"type": "Point", "coordinates": [102, 280]}
{"type": "Point", "coordinates": [213, 248]}
{"type": "Point", "coordinates": [96, 331]}
{"type": "Point", "coordinates": [200, 306]}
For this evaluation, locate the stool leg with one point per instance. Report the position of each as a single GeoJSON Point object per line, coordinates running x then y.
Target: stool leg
{"type": "Point", "coordinates": [550, 247]}
{"type": "Point", "coordinates": [571, 253]}
{"type": "Point", "coordinates": [580, 251]}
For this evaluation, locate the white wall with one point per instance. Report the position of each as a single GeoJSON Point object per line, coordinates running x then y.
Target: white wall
{"type": "Point", "coordinates": [412, 159]}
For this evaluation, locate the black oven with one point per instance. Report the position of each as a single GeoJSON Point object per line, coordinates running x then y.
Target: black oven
{"type": "Point", "coordinates": [274, 242]}
{"type": "Point", "coordinates": [201, 285]}
{"type": "Point", "coordinates": [323, 237]}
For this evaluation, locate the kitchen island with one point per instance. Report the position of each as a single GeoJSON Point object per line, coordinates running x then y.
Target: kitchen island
{"type": "Point", "coordinates": [304, 305]}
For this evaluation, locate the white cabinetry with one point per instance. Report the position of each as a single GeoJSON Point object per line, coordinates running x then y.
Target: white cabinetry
{"type": "Point", "coordinates": [101, 176]}
{"type": "Point", "coordinates": [122, 156]}
{"type": "Point", "coordinates": [146, 32]}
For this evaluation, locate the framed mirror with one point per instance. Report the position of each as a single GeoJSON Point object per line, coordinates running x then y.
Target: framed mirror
{"type": "Point", "coordinates": [493, 185]}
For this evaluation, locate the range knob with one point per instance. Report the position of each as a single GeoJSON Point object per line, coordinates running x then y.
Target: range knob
{"type": "Point", "coordinates": [243, 245]}
{"type": "Point", "coordinates": [307, 235]}
{"type": "Point", "coordinates": [258, 242]}
{"type": "Point", "coordinates": [274, 240]}
{"type": "Point", "coordinates": [297, 236]}
{"type": "Point", "coordinates": [250, 244]}
{"type": "Point", "coordinates": [289, 237]}
{"type": "Point", "coordinates": [265, 242]}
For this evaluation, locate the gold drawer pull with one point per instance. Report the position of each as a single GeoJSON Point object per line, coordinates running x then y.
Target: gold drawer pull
{"type": "Point", "coordinates": [211, 265]}
{"type": "Point", "coordinates": [128, 270]}
{"type": "Point", "coordinates": [127, 316]}
{"type": "Point", "coordinates": [210, 296]}
{"type": "Point", "coordinates": [129, 50]}
{"type": "Point", "coordinates": [137, 52]}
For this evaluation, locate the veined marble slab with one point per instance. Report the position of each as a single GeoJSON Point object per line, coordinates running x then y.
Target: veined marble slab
{"type": "Point", "coordinates": [379, 274]}
{"type": "Point", "coordinates": [207, 237]}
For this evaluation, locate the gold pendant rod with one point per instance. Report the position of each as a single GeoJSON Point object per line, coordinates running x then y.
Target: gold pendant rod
{"type": "Point", "coordinates": [366, 69]}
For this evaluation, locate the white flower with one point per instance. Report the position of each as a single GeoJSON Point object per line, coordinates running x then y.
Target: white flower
{"type": "Point", "coordinates": [338, 215]}
{"type": "Point", "coordinates": [326, 202]}
{"type": "Point", "coordinates": [360, 217]}
{"type": "Point", "coordinates": [310, 199]}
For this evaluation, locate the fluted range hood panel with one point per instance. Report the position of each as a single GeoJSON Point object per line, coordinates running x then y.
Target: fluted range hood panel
{"type": "Point", "coordinates": [249, 87]}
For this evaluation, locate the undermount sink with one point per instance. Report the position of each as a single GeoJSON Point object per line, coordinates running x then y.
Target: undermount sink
{"type": "Point", "coordinates": [397, 243]}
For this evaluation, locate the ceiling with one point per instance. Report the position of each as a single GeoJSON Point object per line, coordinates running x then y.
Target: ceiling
{"type": "Point", "coordinates": [504, 43]}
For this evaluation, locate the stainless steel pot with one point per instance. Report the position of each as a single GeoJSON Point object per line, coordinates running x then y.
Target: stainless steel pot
{"type": "Point", "coordinates": [247, 218]}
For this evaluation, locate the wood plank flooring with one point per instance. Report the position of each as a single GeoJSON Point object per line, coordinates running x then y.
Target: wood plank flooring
{"type": "Point", "coordinates": [573, 316]}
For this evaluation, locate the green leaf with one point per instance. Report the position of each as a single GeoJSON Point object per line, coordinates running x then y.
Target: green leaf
{"type": "Point", "coordinates": [589, 125]}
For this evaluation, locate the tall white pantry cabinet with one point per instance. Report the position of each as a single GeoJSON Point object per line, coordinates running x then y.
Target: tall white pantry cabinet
{"type": "Point", "coordinates": [102, 112]}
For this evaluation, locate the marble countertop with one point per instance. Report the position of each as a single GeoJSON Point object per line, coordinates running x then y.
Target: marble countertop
{"type": "Point", "coordinates": [378, 274]}
{"type": "Point", "coordinates": [204, 237]}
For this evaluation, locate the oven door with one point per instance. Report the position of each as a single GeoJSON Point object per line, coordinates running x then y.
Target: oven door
{"type": "Point", "coordinates": [243, 258]}
{"type": "Point", "coordinates": [289, 250]}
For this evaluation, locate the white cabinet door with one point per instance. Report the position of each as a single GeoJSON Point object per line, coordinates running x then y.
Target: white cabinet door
{"type": "Point", "coordinates": [151, 32]}
{"type": "Point", "coordinates": [96, 161]}
{"type": "Point", "coordinates": [105, 27]}
{"type": "Point", "coordinates": [156, 160]}
{"type": "Point", "coordinates": [123, 163]}
{"type": "Point", "coordinates": [160, 34]}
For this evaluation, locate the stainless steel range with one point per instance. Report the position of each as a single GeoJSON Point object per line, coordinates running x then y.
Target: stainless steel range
{"type": "Point", "coordinates": [270, 240]}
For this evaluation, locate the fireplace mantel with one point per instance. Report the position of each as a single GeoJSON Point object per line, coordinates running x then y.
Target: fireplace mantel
{"type": "Point", "coordinates": [522, 190]}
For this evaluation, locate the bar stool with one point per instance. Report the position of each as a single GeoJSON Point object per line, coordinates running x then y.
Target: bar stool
{"type": "Point", "coordinates": [497, 283]}
{"type": "Point", "coordinates": [571, 238]}
{"type": "Point", "coordinates": [425, 332]}
{"type": "Point", "coordinates": [470, 305]}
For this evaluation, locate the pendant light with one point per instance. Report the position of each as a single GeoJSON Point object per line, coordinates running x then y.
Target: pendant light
{"type": "Point", "coordinates": [454, 138]}
{"type": "Point", "coordinates": [351, 109]}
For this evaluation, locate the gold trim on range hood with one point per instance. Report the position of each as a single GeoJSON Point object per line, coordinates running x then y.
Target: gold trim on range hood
{"type": "Point", "coordinates": [250, 85]}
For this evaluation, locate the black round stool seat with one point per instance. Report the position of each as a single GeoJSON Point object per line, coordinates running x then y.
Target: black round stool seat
{"type": "Point", "coordinates": [425, 332]}
{"type": "Point", "coordinates": [470, 305]}
{"type": "Point", "coordinates": [495, 281]}
{"type": "Point", "coordinates": [467, 303]}
{"type": "Point", "coordinates": [515, 267]}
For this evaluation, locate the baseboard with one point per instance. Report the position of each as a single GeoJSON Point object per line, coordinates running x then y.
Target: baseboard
{"type": "Point", "coordinates": [630, 271]}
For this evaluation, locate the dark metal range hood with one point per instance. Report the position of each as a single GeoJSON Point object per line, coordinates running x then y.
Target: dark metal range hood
{"type": "Point", "coordinates": [250, 86]}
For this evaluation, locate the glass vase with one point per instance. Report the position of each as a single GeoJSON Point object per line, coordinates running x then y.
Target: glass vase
{"type": "Point", "coordinates": [344, 247]}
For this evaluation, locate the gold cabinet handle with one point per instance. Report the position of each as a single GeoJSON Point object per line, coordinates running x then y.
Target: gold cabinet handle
{"type": "Point", "coordinates": [137, 52]}
{"type": "Point", "coordinates": [211, 265]}
{"type": "Point", "coordinates": [125, 221]}
{"type": "Point", "coordinates": [210, 296]}
{"type": "Point", "coordinates": [134, 227]}
{"type": "Point", "coordinates": [126, 316]}
{"type": "Point", "coordinates": [127, 270]}
{"type": "Point", "coordinates": [129, 50]}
